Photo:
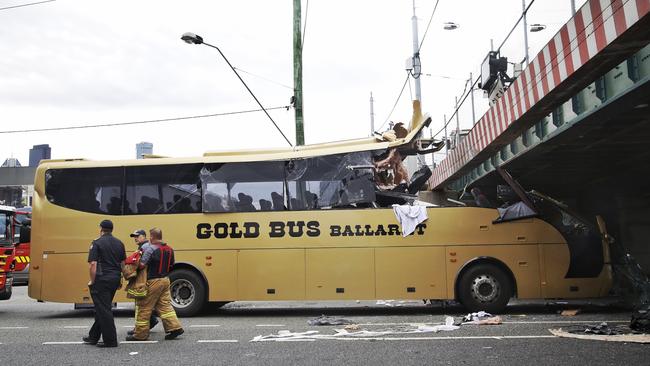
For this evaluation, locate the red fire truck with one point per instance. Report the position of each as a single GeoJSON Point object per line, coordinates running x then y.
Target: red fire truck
{"type": "Point", "coordinates": [7, 215]}
{"type": "Point", "coordinates": [22, 229]}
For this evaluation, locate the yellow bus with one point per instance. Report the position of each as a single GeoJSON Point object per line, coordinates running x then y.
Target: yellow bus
{"type": "Point", "coordinates": [310, 223]}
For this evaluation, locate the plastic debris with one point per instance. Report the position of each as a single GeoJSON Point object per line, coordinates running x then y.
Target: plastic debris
{"type": "Point", "coordinates": [352, 332]}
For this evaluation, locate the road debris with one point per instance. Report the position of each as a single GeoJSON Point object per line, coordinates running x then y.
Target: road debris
{"type": "Point", "coordinates": [329, 320]}
{"type": "Point", "coordinates": [287, 335]}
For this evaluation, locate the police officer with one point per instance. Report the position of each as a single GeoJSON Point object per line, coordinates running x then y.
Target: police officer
{"type": "Point", "coordinates": [106, 260]}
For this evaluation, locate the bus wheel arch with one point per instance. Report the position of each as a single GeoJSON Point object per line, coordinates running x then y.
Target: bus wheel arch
{"type": "Point", "coordinates": [485, 283]}
{"type": "Point", "coordinates": [188, 289]}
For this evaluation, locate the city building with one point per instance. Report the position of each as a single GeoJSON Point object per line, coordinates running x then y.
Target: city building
{"type": "Point", "coordinates": [143, 148]}
{"type": "Point", "coordinates": [38, 153]}
{"type": "Point", "coordinates": [11, 163]}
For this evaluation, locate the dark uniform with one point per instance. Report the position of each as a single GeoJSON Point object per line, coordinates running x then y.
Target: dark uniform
{"type": "Point", "coordinates": [109, 253]}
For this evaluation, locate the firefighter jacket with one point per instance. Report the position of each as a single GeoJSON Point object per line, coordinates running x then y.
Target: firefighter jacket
{"type": "Point", "coordinates": [136, 287]}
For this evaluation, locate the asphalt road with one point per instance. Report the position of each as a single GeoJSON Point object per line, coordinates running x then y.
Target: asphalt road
{"type": "Point", "coordinates": [34, 333]}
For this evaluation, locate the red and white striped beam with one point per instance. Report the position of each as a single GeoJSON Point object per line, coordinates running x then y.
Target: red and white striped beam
{"type": "Point", "coordinates": [599, 36]}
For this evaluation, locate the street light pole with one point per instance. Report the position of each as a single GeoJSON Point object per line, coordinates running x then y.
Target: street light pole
{"type": "Point", "coordinates": [192, 38]}
{"type": "Point", "coordinates": [416, 57]}
{"type": "Point", "coordinates": [297, 72]}
{"type": "Point", "coordinates": [523, 4]}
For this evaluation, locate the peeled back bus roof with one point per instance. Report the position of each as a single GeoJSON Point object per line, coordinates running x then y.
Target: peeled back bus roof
{"type": "Point", "coordinates": [267, 154]}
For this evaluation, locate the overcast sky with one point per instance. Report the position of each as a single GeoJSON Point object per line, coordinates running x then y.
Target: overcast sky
{"type": "Point", "coordinates": [84, 62]}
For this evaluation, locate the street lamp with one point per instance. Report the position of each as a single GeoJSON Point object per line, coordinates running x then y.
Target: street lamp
{"type": "Point", "coordinates": [537, 27]}
{"type": "Point", "coordinates": [192, 38]}
{"type": "Point", "coordinates": [450, 26]}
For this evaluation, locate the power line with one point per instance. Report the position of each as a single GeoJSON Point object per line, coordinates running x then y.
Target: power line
{"type": "Point", "coordinates": [427, 29]}
{"type": "Point", "coordinates": [263, 78]}
{"type": "Point", "coordinates": [397, 100]}
{"type": "Point", "coordinates": [304, 27]}
{"type": "Point", "coordinates": [140, 122]}
{"type": "Point", "coordinates": [457, 108]}
{"type": "Point", "coordinates": [516, 24]}
{"type": "Point", "coordinates": [20, 6]}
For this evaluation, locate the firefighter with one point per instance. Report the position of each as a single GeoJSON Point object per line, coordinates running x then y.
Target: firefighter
{"type": "Point", "coordinates": [106, 260]}
{"type": "Point", "coordinates": [159, 259]}
{"type": "Point", "coordinates": [140, 238]}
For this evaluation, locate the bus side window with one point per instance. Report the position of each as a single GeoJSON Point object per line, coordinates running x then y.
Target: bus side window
{"type": "Point", "coordinates": [163, 189]}
{"type": "Point", "coordinates": [243, 187]}
{"type": "Point", "coordinates": [96, 190]}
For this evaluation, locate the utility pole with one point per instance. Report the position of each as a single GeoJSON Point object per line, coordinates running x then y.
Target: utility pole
{"type": "Point", "coordinates": [573, 7]}
{"type": "Point", "coordinates": [417, 66]}
{"type": "Point", "coordinates": [372, 115]}
{"type": "Point", "coordinates": [297, 72]}
{"type": "Point", "coordinates": [523, 4]}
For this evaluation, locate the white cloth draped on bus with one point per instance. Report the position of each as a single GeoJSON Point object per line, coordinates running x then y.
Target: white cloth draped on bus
{"type": "Point", "coordinates": [410, 217]}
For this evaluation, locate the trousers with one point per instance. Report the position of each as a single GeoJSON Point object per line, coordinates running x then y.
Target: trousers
{"type": "Point", "coordinates": [102, 293]}
{"type": "Point", "coordinates": [159, 299]}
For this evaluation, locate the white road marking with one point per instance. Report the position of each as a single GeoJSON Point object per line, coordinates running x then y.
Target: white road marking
{"type": "Point", "coordinates": [75, 326]}
{"type": "Point", "coordinates": [204, 325]}
{"type": "Point", "coordinates": [14, 327]}
{"type": "Point", "coordinates": [567, 321]}
{"type": "Point", "coordinates": [217, 341]}
{"type": "Point", "coordinates": [270, 325]}
{"type": "Point", "coordinates": [63, 343]}
{"type": "Point", "coordinates": [507, 322]}
{"type": "Point", "coordinates": [434, 338]}
{"type": "Point", "coordinates": [137, 342]}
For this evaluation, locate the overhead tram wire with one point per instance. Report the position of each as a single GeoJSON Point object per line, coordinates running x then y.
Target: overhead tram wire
{"type": "Point", "coordinates": [408, 75]}
{"type": "Point", "coordinates": [304, 27]}
{"type": "Point", "coordinates": [477, 79]}
{"type": "Point", "coordinates": [140, 122]}
{"type": "Point", "coordinates": [457, 108]}
{"type": "Point", "coordinates": [515, 26]}
{"type": "Point", "coordinates": [263, 78]}
{"type": "Point", "coordinates": [29, 4]}
{"type": "Point", "coordinates": [428, 24]}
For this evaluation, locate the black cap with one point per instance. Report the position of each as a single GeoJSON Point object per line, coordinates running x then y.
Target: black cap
{"type": "Point", "coordinates": [138, 233]}
{"type": "Point", "coordinates": [106, 224]}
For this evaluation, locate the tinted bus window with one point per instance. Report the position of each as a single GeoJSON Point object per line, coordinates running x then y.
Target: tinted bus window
{"type": "Point", "coordinates": [97, 190]}
{"type": "Point", "coordinates": [330, 181]}
{"type": "Point", "coordinates": [243, 187]}
{"type": "Point", "coordinates": [163, 189]}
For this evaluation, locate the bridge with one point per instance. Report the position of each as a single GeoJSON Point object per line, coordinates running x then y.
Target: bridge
{"type": "Point", "coordinates": [575, 124]}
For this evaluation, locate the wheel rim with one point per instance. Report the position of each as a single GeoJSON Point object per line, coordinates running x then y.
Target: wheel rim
{"type": "Point", "coordinates": [182, 293]}
{"type": "Point", "coordinates": [485, 288]}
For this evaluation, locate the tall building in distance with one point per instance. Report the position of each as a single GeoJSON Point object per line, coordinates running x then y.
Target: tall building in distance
{"type": "Point", "coordinates": [143, 148]}
{"type": "Point", "coordinates": [38, 153]}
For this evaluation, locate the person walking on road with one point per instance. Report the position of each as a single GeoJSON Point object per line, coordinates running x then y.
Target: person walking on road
{"type": "Point", "coordinates": [140, 238]}
{"type": "Point", "coordinates": [159, 259]}
{"type": "Point", "coordinates": [106, 259]}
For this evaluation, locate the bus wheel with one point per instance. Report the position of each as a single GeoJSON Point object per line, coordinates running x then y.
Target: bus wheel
{"type": "Point", "coordinates": [484, 287]}
{"type": "Point", "coordinates": [187, 291]}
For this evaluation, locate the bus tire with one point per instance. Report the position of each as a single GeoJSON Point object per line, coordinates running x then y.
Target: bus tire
{"type": "Point", "coordinates": [5, 295]}
{"type": "Point", "coordinates": [484, 287]}
{"type": "Point", "coordinates": [188, 292]}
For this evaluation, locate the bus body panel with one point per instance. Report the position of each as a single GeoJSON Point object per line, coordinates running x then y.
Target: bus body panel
{"type": "Point", "coordinates": [522, 260]}
{"type": "Point", "coordinates": [410, 273]}
{"type": "Point", "coordinates": [340, 273]}
{"type": "Point", "coordinates": [276, 274]}
{"type": "Point", "coordinates": [555, 285]}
